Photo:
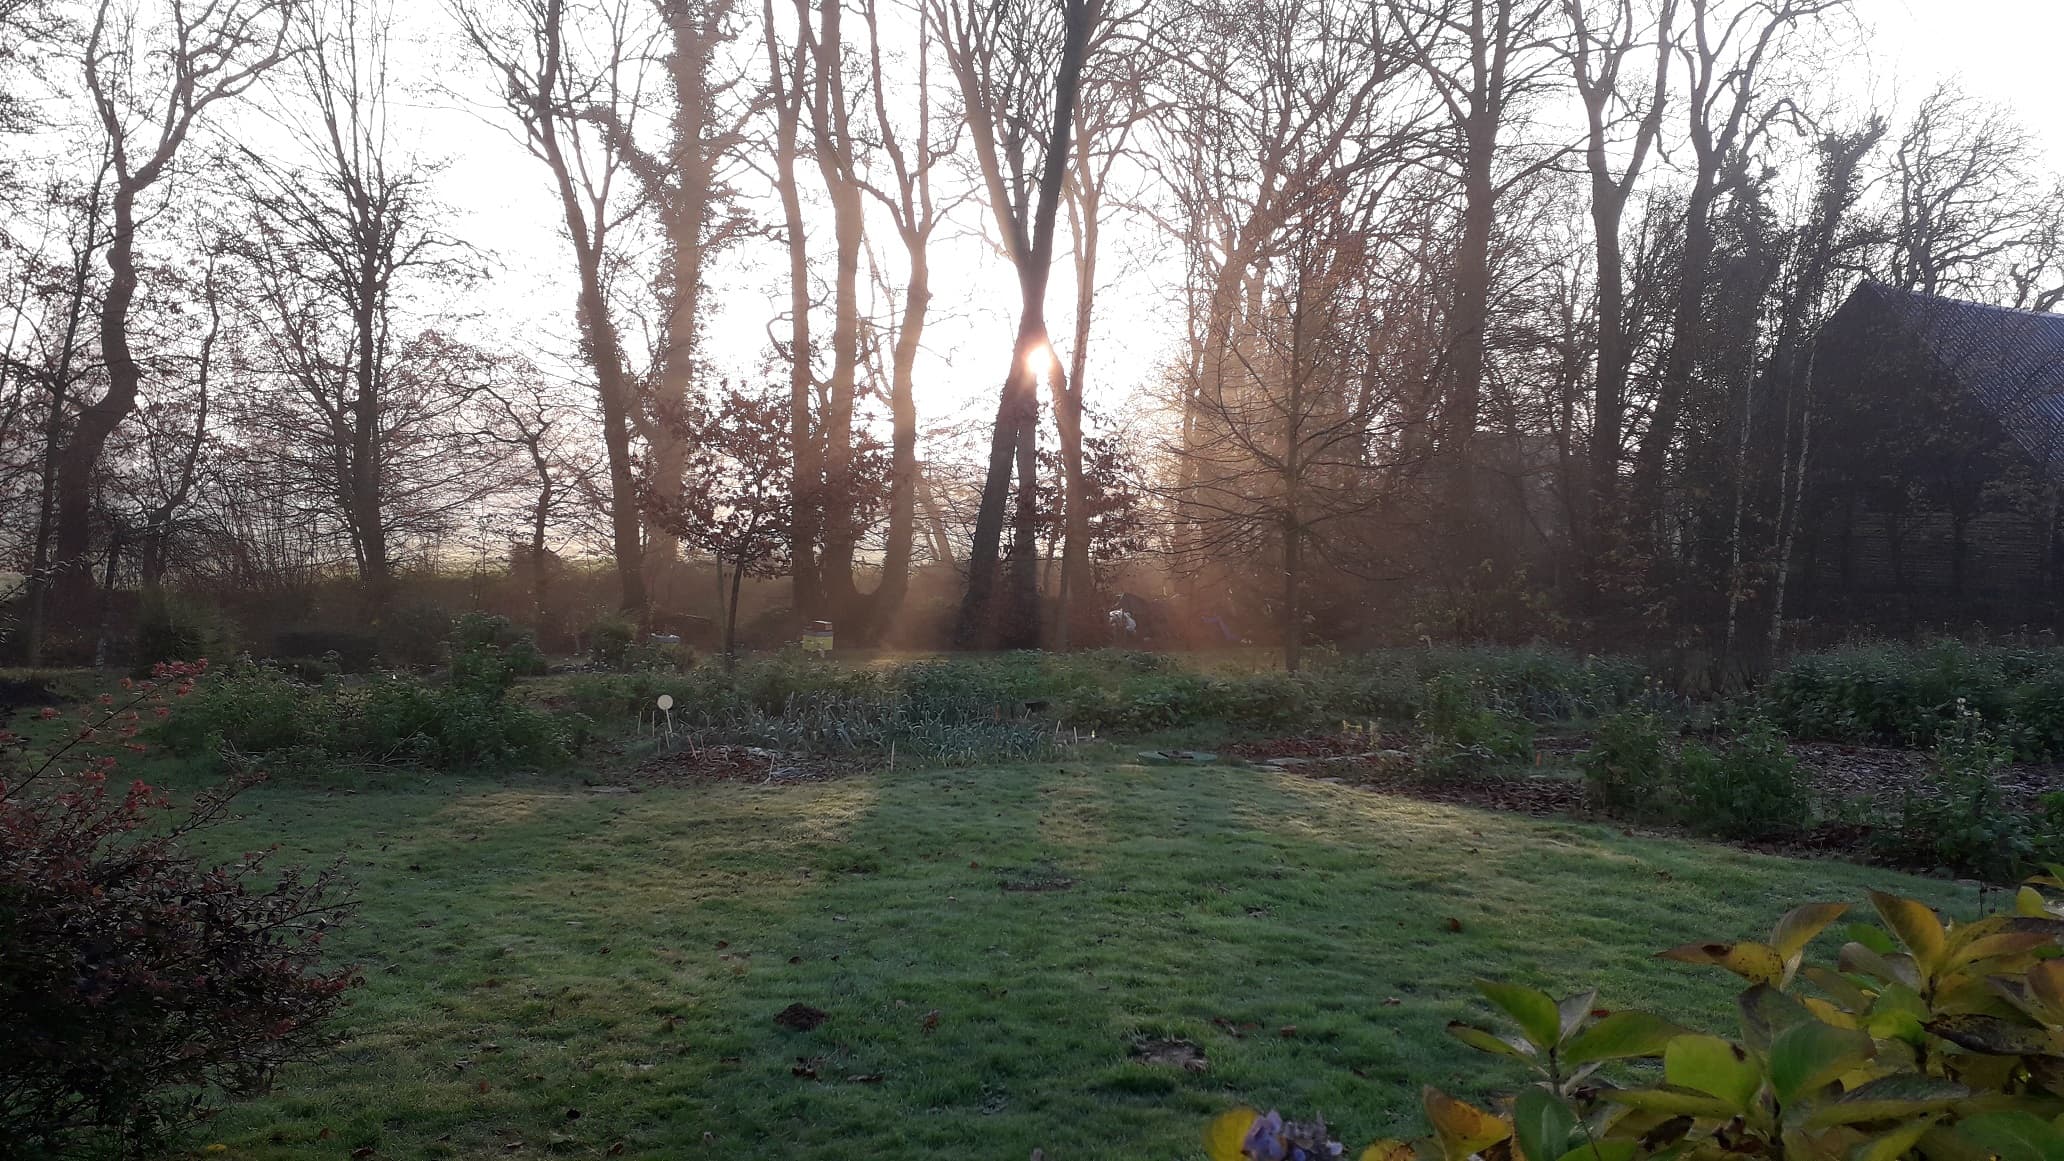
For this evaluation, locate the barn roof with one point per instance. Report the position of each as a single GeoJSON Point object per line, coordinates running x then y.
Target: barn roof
{"type": "Point", "coordinates": [2009, 361]}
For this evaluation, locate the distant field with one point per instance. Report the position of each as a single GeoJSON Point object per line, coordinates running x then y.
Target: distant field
{"type": "Point", "coordinates": [553, 971]}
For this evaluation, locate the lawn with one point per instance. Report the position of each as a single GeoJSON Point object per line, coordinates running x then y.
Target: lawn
{"type": "Point", "coordinates": [552, 971]}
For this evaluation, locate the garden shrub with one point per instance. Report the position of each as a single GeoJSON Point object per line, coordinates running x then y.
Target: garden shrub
{"type": "Point", "coordinates": [609, 639]}
{"type": "Point", "coordinates": [477, 632]}
{"type": "Point", "coordinates": [1463, 737]}
{"type": "Point", "coordinates": [1962, 820]}
{"type": "Point", "coordinates": [251, 709]}
{"type": "Point", "coordinates": [1266, 701]}
{"type": "Point", "coordinates": [2035, 714]}
{"type": "Point", "coordinates": [490, 653]}
{"type": "Point", "coordinates": [1752, 789]}
{"type": "Point", "coordinates": [353, 651]}
{"type": "Point", "coordinates": [136, 984]}
{"type": "Point", "coordinates": [1896, 1052]}
{"type": "Point", "coordinates": [414, 636]}
{"type": "Point", "coordinates": [256, 714]}
{"type": "Point", "coordinates": [658, 657]}
{"type": "Point", "coordinates": [1627, 768]}
{"type": "Point", "coordinates": [172, 627]}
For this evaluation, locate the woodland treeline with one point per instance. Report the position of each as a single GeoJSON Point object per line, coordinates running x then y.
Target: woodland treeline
{"type": "Point", "coordinates": [1491, 317]}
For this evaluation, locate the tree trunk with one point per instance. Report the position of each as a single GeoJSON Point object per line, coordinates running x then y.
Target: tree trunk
{"type": "Point", "coordinates": [1471, 309]}
{"type": "Point", "coordinates": [1646, 489]}
{"type": "Point", "coordinates": [598, 334]}
{"type": "Point", "coordinates": [684, 215]}
{"type": "Point", "coordinates": [995, 604]}
{"type": "Point", "coordinates": [1293, 594]}
{"type": "Point", "coordinates": [365, 445]}
{"type": "Point", "coordinates": [77, 471]}
{"type": "Point", "coordinates": [806, 472]}
{"type": "Point", "coordinates": [895, 579]}
{"type": "Point", "coordinates": [731, 612]}
{"type": "Point", "coordinates": [1077, 586]}
{"type": "Point", "coordinates": [39, 582]}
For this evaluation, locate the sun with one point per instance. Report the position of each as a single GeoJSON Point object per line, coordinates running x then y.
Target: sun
{"type": "Point", "coordinates": [1038, 358]}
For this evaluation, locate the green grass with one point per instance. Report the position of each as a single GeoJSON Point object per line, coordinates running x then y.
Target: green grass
{"type": "Point", "coordinates": [534, 949]}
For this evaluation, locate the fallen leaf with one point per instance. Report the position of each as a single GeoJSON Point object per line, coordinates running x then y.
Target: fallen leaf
{"type": "Point", "coordinates": [326, 1134]}
{"type": "Point", "coordinates": [930, 1021]}
{"type": "Point", "coordinates": [1454, 924]}
{"type": "Point", "coordinates": [483, 1086]}
{"type": "Point", "coordinates": [1287, 1031]}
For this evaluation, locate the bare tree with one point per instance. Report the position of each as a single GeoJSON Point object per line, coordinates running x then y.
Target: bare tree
{"type": "Point", "coordinates": [1623, 116]}
{"type": "Point", "coordinates": [54, 358]}
{"type": "Point", "coordinates": [1113, 108]}
{"type": "Point", "coordinates": [1288, 446]}
{"type": "Point", "coordinates": [1485, 61]}
{"type": "Point", "coordinates": [1019, 67]}
{"type": "Point", "coordinates": [1967, 197]}
{"type": "Point", "coordinates": [685, 185]}
{"type": "Point", "coordinates": [527, 414]}
{"type": "Point", "coordinates": [913, 152]}
{"type": "Point", "coordinates": [150, 83]}
{"type": "Point", "coordinates": [340, 237]}
{"type": "Point", "coordinates": [555, 98]}
{"type": "Point", "coordinates": [788, 66]}
{"type": "Point", "coordinates": [1731, 48]}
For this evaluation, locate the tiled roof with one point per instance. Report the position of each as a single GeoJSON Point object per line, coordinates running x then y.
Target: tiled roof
{"type": "Point", "coordinates": [2010, 361]}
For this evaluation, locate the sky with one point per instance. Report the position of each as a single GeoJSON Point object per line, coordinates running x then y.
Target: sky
{"type": "Point", "coordinates": [2004, 50]}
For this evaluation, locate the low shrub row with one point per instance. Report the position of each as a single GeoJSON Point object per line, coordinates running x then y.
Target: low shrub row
{"type": "Point", "coordinates": [1908, 695]}
{"type": "Point", "coordinates": [1141, 693]}
{"type": "Point", "coordinates": [466, 720]}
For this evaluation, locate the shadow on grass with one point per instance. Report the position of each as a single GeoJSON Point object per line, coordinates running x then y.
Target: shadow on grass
{"type": "Point", "coordinates": [553, 971]}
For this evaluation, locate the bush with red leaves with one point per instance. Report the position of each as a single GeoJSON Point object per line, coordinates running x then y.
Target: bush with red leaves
{"type": "Point", "coordinates": [135, 983]}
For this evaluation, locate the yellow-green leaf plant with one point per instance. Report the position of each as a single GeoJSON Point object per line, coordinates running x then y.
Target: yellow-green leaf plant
{"type": "Point", "coordinates": [1924, 1038]}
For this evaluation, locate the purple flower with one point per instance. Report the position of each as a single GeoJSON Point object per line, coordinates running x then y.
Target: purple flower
{"type": "Point", "coordinates": [1264, 1140]}
{"type": "Point", "coordinates": [1271, 1139]}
